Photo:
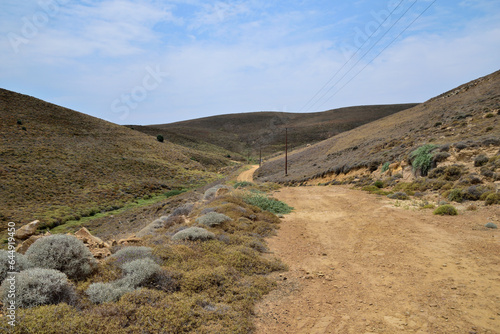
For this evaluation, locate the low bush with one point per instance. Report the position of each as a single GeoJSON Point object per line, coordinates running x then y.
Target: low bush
{"type": "Point", "coordinates": [455, 195]}
{"type": "Point", "coordinates": [193, 234]}
{"type": "Point", "coordinates": [141, 273]}
{"type": "Point", "coordinates": [99, 293]}
{"type": "Point", "coordinates": [243, 184]}
{"type": "Point", "coordinates": [385, 167]}
{"type": "Point", "coordinates": [132, 253]}
{"type": "Point", "coordinates": [212, 219]}
{"type": "Point", "coordinates": [492, 199]}
{"type": "Point", "coordinates": [183, 210]}
{"type": "Point", "coordinates": [446, 210]}
{"type": "Point", "coordinates": [38, 286]}
{"type": "Point", "coordinates": [440, 156]}
{"type": "Point", "coordinates": [378, 184]}
{"type": "Point", "coordinates": [160, 138]}
{"type": "Point", "coordinates": [12, 262]}
{"type": "Point", "coordinates": [64, 253]}
{"type": "Point", "coordinates": [210, 193]}
{"type": "Point", "coordinates": [398, 195]}
{"type": "Point", "coordinates": [474, 193]}
{"type": "Point", "coordinates": [268, 204]}
{"type": "Point", "coordinates": [480, 160]}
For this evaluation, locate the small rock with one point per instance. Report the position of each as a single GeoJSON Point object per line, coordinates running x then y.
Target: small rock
{"type": "Point", "coordinates": [27, 230]}
{"type": "Point", "coordinates": [23, 247]}
{"type": "Point", "coordinates": [84, 235]}
{"type": "Point", "coordinates": [491, 225]}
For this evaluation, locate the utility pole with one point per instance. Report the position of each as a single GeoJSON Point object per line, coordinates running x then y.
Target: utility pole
{"type": "Point", "coordinates": [286, 151]}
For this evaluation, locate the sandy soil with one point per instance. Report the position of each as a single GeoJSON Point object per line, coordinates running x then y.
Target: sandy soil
{"type": "Point", "coordinates": [358, 264]}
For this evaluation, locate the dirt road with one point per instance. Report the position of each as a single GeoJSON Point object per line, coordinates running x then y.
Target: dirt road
{"type": "Point", "coordinates": [358, 264]}
{"type": "Point", "coordinates": [248, 174]}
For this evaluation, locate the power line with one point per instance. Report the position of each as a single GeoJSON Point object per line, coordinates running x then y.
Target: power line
{"type": "Point", "coordinates": [366, 53]}
{"type": "Point", "coordinates": [402, 32]}
{"type": "Point", "coordinates": [353, 55]}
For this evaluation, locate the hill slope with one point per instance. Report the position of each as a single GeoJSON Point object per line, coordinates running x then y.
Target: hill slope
{"type": "Point", "coordinates": [467, 114]}
{"type": "Point", "coordinates": [245, 133]}
{"type": "Point", "coordinates": [57, 164]}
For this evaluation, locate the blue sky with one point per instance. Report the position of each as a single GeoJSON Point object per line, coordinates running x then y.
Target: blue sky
{"type": "Point", "coordinates": [155, 61]}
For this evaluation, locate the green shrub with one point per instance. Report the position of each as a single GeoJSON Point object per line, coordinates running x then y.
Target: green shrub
{"type": "Point", "coordinates": [385, 167]}
{"type": "Point", "coordinates": [174, 192]}
{"type": "Point", "coordinates": [160, 138]}
{"type": "Point", "coordinates": [212, 219]}
{"type": "Point", "coordinates": [446, 210]}
{"type": "Point", "coordinates": [398, 195]}
{"type": "Point", "coordinates": [19, 122]}
{"type": "Point", "coordinates": [99, 293]}
{"type": "Point", "coordinates": [489, 115]}
{"type": "Point", "coordinates": [474, 193]}
{"type": "Point", "coordinates": [455, 195]}
{"type": "Point", "coordinates": [492, 199]}
{"type": "Point", "coordinates": [38, 286]}
{"type": "Point", "coordinates": [12, 262]}
{"type": "Point", "coordinates": [132, 253]}
{"type": "Point", "coordinates": [421, 158]}
{"type": "Point", "coordinates": [268, 204]}
{"type": "Point", "coordinates": [193, 234]}
{"type": "Point", "coordinates": [480, 160]}
{"type": "Point", "coordinates": [379, 184]}
{"type": "Point", "coordinates": [64, 253]}
{"type": "Point", "coordinates": [243, 184]}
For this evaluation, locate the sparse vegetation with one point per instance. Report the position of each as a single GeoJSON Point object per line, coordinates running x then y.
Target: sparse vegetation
{"type": "Point", "coordinates": [243, 184]}
{"type": "Point", "coordinates": [446, 210]}
{"type": "Point", "coordinates": [480, 160]}
{"type": "Point", "coordinates": [385, 167]}
{"type": "Point", "coordinates": [399, 196]}
{"type": "Point", "coordinates": [455, 195]}
{"type": "Point", "coordinates": [132, 253]}
{"type": "Point", "coordinates": [492, 199]}
{"type": "Point", "coordinates": [64, 253]}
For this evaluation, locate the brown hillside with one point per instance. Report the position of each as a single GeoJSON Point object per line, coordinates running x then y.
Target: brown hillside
{"type": "Point", "coordinates": [465, 117]}
{"type": "Point", "coordinates": [57, 164]}
{"type": "Point", "coordinates": [244, 133]}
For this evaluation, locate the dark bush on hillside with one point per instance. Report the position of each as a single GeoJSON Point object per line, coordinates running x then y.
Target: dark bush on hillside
{"type": "Point", "coordinates": [460, 146]}
{"type": "Point", "coordinates": [379, 184]}
{"type": "Point", "coordinates": [64, 253]}
{"type": "Point", "coordinates": [492, 199]}
{"type": "Point", "coordinates": [160, 138]}
{"type": "Point", "coordinates": [421, 159]}
{"type": "Point", "coordinates": [449, 173]}
{"type": "Point", "coordinates": [474, 193]}
{"type": "Point", "coordinates": [38, 286]}
{"type": "Point", "coordinates": [440, 156]}
{"type": "Point", "coordinates": [183, 210]}
{"type": "Point", "coordinates": [480, 160]}
{"type": "Point", "coordinates": [446, 210]}
{"type": "Point", "coordinates": [455, 195]}
{"type": "Point", "coordinates": [18, 261]}
{"type": "Point", "coordinates": [398, 195]}
{"type": "Point", "coordinates": [444, 148]}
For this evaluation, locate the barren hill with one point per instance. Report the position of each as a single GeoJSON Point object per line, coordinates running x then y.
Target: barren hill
{"type": "Point", "coordinates": [467, 116]}
{"type": "Point", "coordinates": [57, 164]}
{"type": "Point", "coordinates": [245, 133]}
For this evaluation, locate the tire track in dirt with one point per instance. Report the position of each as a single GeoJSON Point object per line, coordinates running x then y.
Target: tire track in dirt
{"type": "Point", "coordinates": [360, 265]}
{"type": "Point", "coordinates": [248, 174]}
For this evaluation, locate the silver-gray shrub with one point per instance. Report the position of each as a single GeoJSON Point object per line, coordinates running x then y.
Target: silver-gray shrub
{"type": "Point", "coordinates": [17, 260]}
{"type": "Point", "coordinates": [38, 286]}
{"type": "Point", "coordinates": [212, 219]}
{"type": "Point", "coordinates": [65, 253]}
{"type": "Point", "coordinates": [140, 273]}
{"type": "Point", "coordinates": [106, 292]}
{"type": "Point", "coordinates": [210, 193]}
{"type": "Point", "coordinates": [132, 253]}
{"type": "Point", "coordinates": [193, 234]}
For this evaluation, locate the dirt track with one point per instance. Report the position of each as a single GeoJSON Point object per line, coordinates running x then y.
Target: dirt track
{"type": "Point", "coordinates": [248, 174]}
{"type": "Point", "coordinates": [358, 264]}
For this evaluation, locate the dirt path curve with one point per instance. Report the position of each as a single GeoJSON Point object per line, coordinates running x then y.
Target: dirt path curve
{"type": "Point", "coordinates": [358, 264]}
{"type": "Point", "coordinates": [248, 174]}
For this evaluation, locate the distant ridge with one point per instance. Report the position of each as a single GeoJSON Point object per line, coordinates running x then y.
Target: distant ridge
{"type": "Point", "coordinates": [245, 133]}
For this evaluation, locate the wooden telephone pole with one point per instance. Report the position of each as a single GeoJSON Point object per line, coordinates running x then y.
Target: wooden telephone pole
{"type": "Point", "coordinates": [286, 151]}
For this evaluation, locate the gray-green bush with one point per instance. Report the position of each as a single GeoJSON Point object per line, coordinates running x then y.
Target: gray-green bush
{"type": "Point", "coordinates": [18, 261]}
{"type": "Point", "coordinates": [106, 292]}
{"type": "Point", "coordinates": [212, 219]}
{"type": "Point", "coordinates": [210, 193]}
{"type": "Point", "coordinates": [193, 234]}
{"type": "Point", "coordinates": [64, 253]}
{"type": "Point", "coordinates": [132, 253]}
{"type": "Point", "coordinates": [38, 286]}
{"type": "Point", "coordinates": [421, 158]}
